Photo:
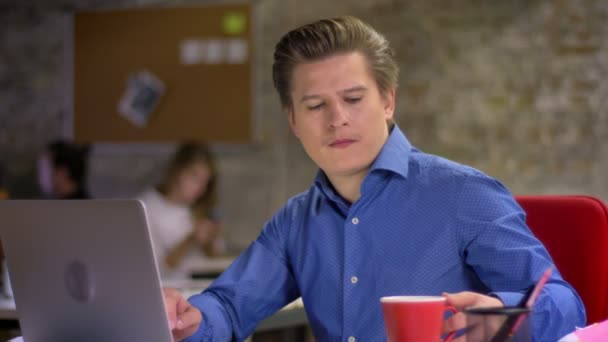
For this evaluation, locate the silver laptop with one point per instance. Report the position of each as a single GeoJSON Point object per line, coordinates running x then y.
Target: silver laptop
{"type": "Point", "coordinates": [83, 270]}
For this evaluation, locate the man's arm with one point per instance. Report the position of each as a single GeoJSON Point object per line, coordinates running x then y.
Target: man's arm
{"type": "Point", "coordinates": [255, 286]}
{"type": "Point", "coordinates": [508, 259]}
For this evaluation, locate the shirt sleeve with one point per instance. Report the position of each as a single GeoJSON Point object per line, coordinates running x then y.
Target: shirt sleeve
{"type": "Point", "coordinates": [256, 285]}
{"type": "Point", "coordinates": [509, 259]}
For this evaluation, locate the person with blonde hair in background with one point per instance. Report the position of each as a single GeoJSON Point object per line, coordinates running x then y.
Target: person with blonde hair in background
{"type": "Point", "coordinates": [182, 213]}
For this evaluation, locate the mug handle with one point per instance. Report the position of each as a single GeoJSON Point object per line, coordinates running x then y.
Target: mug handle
{"type": "Point", "coordinates": [453, 333]}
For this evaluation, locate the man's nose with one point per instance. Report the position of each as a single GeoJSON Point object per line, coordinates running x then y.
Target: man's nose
{"type": "Point", "coordinates": [338, 116]}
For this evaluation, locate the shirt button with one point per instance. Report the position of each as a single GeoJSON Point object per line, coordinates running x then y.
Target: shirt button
{"type": "Point", "coordinates": [352, 339]}
{"type": "Point", "coordinates": [355, 220]}
{"type": "Point", "coordinates": [354, 279]}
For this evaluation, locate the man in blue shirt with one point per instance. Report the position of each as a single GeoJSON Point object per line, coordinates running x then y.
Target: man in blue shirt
{"type": "Point", "coordinates": [382, 218]}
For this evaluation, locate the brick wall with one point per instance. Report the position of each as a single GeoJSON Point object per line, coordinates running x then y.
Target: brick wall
{"type": "Point", "coordinates": [515, 88]}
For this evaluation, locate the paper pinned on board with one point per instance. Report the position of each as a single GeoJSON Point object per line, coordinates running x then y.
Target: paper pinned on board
{"type": "Point", "coordinates": [143, 93]}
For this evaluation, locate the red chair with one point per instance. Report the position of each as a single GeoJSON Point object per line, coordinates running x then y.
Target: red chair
{"type": "Point", "coordinates": [574, 229]}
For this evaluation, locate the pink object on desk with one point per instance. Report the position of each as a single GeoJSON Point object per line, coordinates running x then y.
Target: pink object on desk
{"type": "Point", "coordinates": [593, 333]}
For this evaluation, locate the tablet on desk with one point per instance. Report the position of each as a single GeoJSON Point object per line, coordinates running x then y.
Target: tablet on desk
{"type": "Point", "coordinates": [83, 270]}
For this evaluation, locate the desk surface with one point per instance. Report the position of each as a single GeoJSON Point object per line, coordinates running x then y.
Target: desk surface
{"type": "Point", "coordinates": [217, 264]}
{"type": "Point", "coordinates": [209, 268]}
{"type": "Point", "coordinates": [291, 315]}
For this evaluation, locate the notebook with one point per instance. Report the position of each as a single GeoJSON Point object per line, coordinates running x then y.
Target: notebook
{"type": "Point", "coordinates": [83, 270]}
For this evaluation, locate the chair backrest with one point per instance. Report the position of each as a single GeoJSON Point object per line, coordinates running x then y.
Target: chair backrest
{"type": "Point", "coordinates": [574, 229]}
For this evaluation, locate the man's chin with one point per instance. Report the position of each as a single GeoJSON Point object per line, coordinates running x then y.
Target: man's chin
{"type": "Point", "coordinates": [344, 171]}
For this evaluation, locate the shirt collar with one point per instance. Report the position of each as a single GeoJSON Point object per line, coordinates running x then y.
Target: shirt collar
{"type": "Point", "coordinates": [393, 157]}
{"type": "Point", "coordinates": [327, 189]}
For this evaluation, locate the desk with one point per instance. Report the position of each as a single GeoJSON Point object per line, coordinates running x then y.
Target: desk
{"type": "Point", "coordinates": [209, 268]}
{"type": "Point", "coordinates": [291, 316]}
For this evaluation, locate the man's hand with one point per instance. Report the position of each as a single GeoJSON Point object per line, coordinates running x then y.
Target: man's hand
{"type": "Point", "coordinates": [464, 300]}
{"type": "Point", "coordinates": [184, 318]}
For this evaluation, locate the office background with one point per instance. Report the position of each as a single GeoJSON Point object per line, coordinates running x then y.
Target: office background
{"type": "Point", "coordinates": [518, 89]}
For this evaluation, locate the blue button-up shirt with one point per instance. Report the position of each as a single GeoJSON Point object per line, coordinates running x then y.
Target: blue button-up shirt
{"type": "Point", "coordinates": [422, 226]}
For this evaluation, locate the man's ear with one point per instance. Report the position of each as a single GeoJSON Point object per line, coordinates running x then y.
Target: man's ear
{"type": "Point", "coordinates": [389, 103]}
{"type": "Point", "coordinates": [291, 117]}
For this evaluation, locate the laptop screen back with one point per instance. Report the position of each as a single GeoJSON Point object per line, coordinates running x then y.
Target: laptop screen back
{"type": "Point", "coordinates": [83, 270]}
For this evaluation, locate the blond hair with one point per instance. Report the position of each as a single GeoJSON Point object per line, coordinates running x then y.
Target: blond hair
{"type": "Point", "coordinates": [186, 155]}
{"type": "Point", "coordinates": [327, 37]}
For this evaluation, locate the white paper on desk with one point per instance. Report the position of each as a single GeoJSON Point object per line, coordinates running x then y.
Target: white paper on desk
{"type": "Point", "coordinates": [569, 338]}
{"type": "Point", "coordinates": [16, 339]}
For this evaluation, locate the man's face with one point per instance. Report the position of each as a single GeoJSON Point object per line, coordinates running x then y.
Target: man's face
{"type": "Point", "coordinates": [339, 114]}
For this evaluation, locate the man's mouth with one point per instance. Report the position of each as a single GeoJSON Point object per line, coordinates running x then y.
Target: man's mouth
{"type": "Point", "coordinates": [342, 143]}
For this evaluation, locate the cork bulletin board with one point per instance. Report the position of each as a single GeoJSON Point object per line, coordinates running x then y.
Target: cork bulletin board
{"type": "Point", "coordinates": [201, 55]}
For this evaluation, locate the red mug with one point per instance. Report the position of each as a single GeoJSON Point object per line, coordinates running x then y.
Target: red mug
{"type": "Point", "coordinates": [415, 318]}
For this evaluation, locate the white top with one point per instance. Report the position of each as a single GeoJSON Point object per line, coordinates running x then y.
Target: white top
{"type": "Point", "coordinates": [169, 225]}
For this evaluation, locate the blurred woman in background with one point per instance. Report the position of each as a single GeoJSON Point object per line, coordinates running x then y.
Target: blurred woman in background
{"type": "Point", "coordinates": [181, 211]}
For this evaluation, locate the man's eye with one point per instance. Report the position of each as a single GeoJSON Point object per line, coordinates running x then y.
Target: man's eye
{"type": "Point", "coordinates": [353, 99]}
{"type": "Point", "coordinates": [317, 107]}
